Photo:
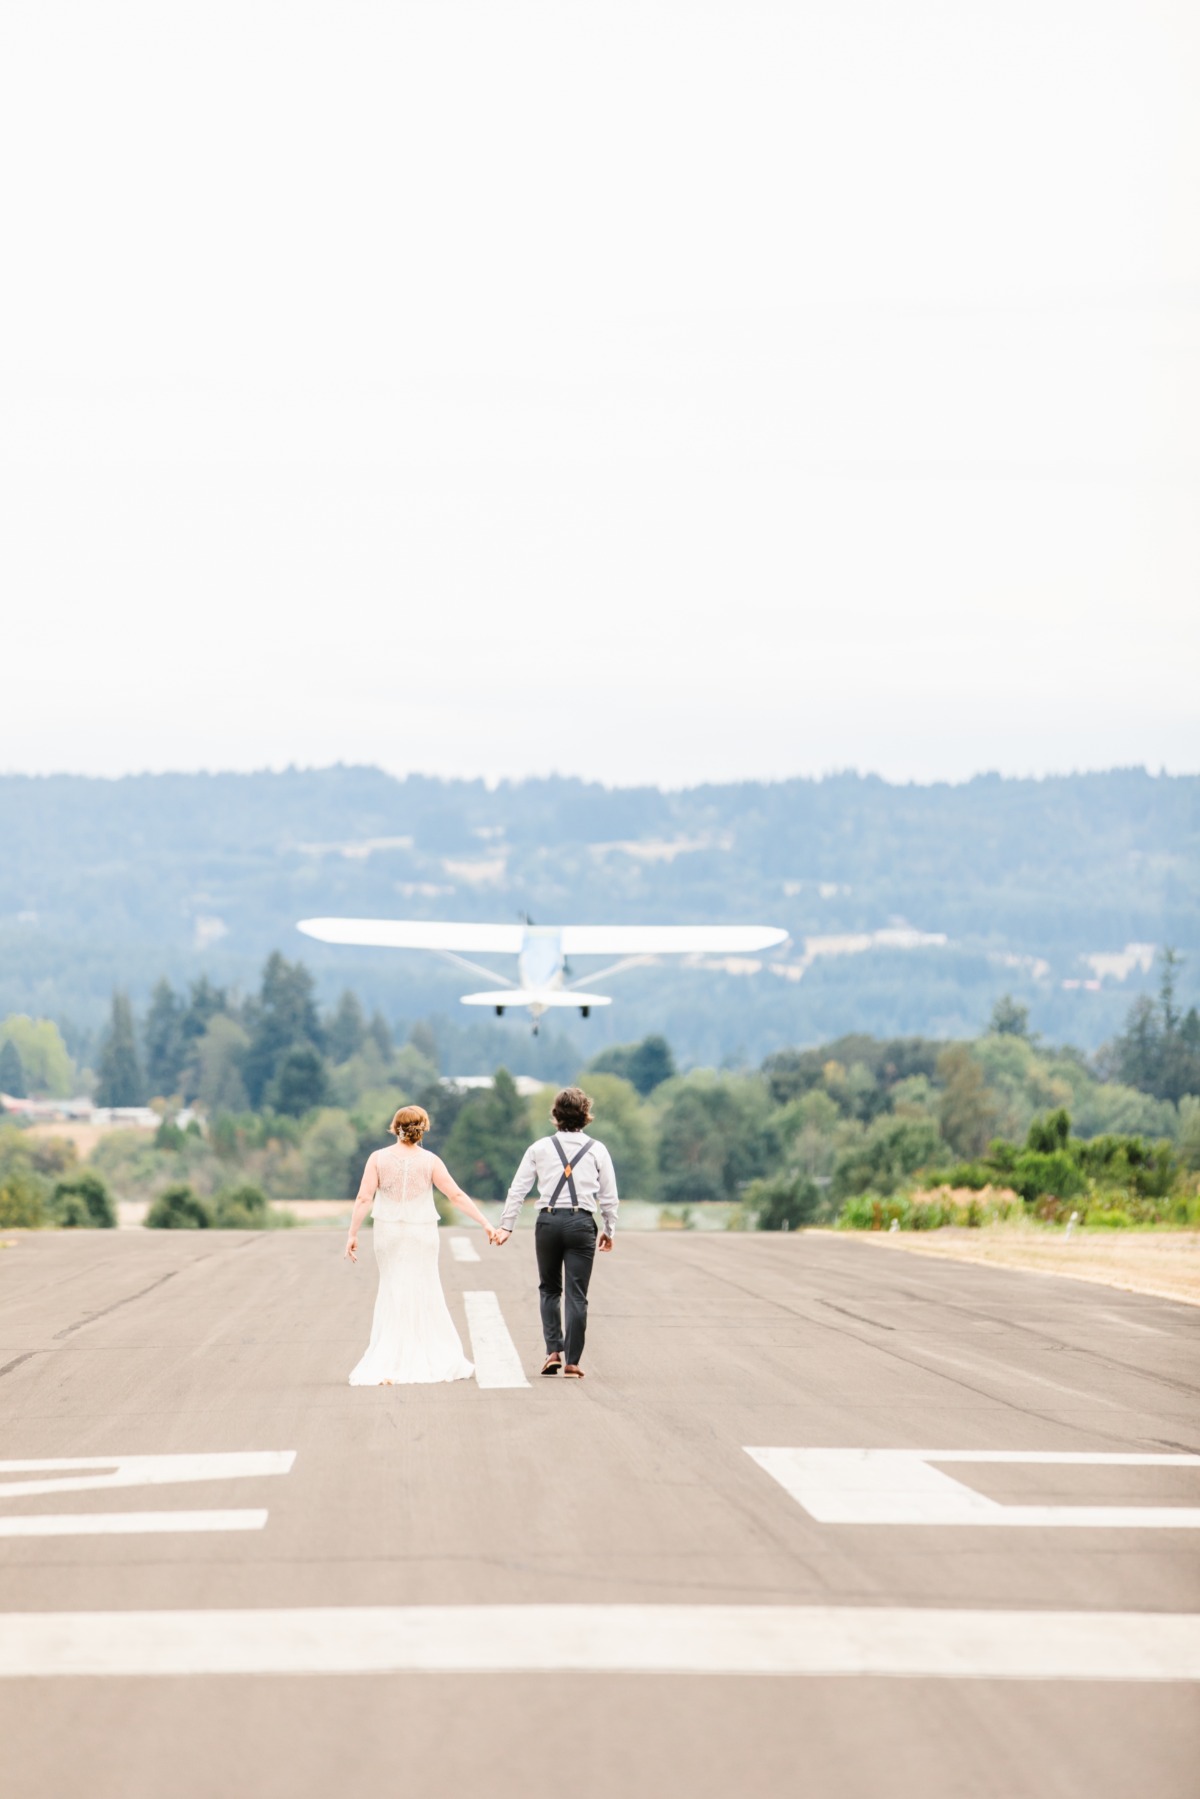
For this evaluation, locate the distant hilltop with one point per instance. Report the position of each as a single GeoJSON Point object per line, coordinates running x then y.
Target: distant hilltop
{"type": "Point", "coordinates": [909, 908]}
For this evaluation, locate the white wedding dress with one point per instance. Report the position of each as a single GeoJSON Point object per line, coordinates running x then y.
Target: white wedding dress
{"type": "Point", "coordinates": [413, 1339]}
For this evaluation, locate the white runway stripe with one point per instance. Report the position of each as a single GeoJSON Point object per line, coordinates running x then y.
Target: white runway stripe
{"type": "Point", "coordinates": [463, 1250]}
{"type": "Point", "coordinates": [903, 1486]}
{"type": "Point", "coordinates": [642, 1639]}
{"type": "Point", "coordinates": [493, 1351]}
{"type": "Point", "coordinates": [121, 1524]}
{"type": "Point", "coordinates": [65, 1474]}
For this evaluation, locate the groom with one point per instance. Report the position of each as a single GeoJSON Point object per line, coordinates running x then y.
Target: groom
{"type": "Point", "coordinates": [574, 1175]}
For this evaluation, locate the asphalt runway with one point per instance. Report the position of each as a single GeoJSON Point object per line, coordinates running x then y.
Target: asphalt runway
{"type": "Point", "coordinates": [488, 1589]}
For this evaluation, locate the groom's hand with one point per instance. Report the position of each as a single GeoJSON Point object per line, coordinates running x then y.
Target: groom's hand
{"type": "Point", "coordinates": [501, 1238]}
{"type": "Point", "coordinates": [606, 1243]}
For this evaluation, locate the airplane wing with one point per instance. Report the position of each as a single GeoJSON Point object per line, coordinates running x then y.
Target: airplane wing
{"type": "Point", "coordinates": [536, 996]}
{"type": "Point", "coordinates": [668, 939]}
{"type": "Point", "coordinates": [416, 933]}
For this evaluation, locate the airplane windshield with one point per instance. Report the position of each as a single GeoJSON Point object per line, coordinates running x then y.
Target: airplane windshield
{"type": "Point", "coordinates": [541, 957]}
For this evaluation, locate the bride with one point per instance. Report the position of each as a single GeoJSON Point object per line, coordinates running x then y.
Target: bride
{"type": "Point", "coordinates": [413, 1338]}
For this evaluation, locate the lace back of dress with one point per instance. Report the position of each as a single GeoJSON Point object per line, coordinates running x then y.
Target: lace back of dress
{"type": "Point", "coordinates": [415, 1165]}
{"type": "Point", "coordinates": [406, 1177]}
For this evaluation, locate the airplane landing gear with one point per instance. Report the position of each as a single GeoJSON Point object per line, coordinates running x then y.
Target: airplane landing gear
{"type": "Point", "coordinates": [499, 1011]}
{"type": "Point", "coordinates": [585, 1011]}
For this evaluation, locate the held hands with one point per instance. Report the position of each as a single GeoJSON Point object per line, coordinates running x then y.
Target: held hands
{"type": "Point", "coordinates": [499, 1238]}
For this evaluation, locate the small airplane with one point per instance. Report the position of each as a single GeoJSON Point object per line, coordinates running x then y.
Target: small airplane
{"type": "Point", "coordinates": [542, 951]}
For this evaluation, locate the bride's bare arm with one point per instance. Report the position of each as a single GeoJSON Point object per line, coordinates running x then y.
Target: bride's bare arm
{"type": "Point", "coordinates": [362, 1205]}
{"type": "Point", "coordinates": [445, 1183]}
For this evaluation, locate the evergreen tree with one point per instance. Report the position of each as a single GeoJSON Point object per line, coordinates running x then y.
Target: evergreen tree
{"type": "Point", "coordinates": [650, 1064]}
{"type": "Point", "coordinates": [283, 1018]}
{"type": "Point", "coordinates": [162, 1037]}
{"type": "Point", "coordinates": [347, 1028]}
{"type": "Point", "coordinates": [443, 1105]}
{"type": "Point", "coordinates": [204, 1003]}
{"type": "Point", "coordinates": [693, 1149]}
{"type": "Point", "coordinates": [1009, 1018]}
{"type": "Point", "coordinates": [219, 1056]}
{"type": "Point", "coordinates": [1136, 1053]}
{"type": "Point", "coordinates": [119, 1081]}
{"type": "Point", "coordinates": [300, 1083]}
{"type": "Point", "coordinates": [12, 1070]}
{"type": "Point", "coordinates": [378, 1030]}
{"type": "Point", "coordinates": [1159, 1050]}
{"type": "Point", "coordinates": [645, 1065]}
{"type": "Point", "coordinates": [490, 1135]}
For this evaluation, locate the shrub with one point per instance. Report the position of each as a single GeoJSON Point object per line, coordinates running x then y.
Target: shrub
{"type": "Point", "coordinates": [875, 1212]}
{"type": "Point", "coordinates": [1041, 1172]}
{"type": "Point", "coordinates": [83, 1202]}
{"type": "Point", "coordinates": [1049, 1209]}
{"type": "Point", "coordinates": [21, 1203]}
{"type": "Point", "coordinates": [973, 1175]}
{"type": "Point", "coordinates": [71, 1212]}
{"type": "Point", "coordinates": [893, 1149]}
{"type": "Point", "coordinates": [1046, 1135]}
{"type": "Point", "coordinates": [241, 1209]}
{"type": "Point", "coordinates": [931, 1215]}
{"type": "Point", "coordinates": [783, 1202]}
{"type": "Point", "coordinates": [178, 1209]}
{"type": "Point", "coordinates": [1109, 1219]}
{"type": "Point", "coordinates": [1130, 1162]}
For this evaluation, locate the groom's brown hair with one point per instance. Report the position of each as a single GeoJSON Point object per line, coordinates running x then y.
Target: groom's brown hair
{"type": "Point", "coordinates": [572, 1109]}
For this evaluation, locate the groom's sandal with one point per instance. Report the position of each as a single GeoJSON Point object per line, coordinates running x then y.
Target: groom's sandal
{"type": "Point", "coordinates": [552, 1364]}
{"type": "Point", "coordinates": [572, 1371]}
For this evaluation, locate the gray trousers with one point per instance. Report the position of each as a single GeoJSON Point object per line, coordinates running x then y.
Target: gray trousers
{"type": "Point", "coordinates": [566, 1250]}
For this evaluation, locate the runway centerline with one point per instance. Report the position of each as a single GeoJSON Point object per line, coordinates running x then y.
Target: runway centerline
{"type": "Point", "coordinates": [497, 1363]}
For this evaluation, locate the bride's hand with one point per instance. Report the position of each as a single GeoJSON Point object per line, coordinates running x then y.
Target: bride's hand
{"type": "Point", "coordinates": [351, 1249]}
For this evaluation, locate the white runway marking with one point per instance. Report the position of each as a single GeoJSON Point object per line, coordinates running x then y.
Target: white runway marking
{"type": "Point", "coordinates": [900, 1486]}
{"type": "Point", "coordinates": [138, 1471]}
{"type": "Point", "coordinates": [608, 1639]}
{"type": "Point", "coordinates": [123, 1524]}
{"type": "Point", "coordinates": [497, 1363]}
{"type": "Point", "coordinates": [112, 1472]}
{"type": "Point", "coordinates": [463, 1250]}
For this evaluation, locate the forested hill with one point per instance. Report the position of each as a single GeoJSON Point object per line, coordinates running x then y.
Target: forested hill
{"type": "Point", "coordinates": [994, 886]}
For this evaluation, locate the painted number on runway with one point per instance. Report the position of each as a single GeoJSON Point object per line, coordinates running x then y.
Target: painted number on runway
{"type": "Point", "coordinates": [107, 1474]}
{"type": "Point", "coordinates": [908, 1486]}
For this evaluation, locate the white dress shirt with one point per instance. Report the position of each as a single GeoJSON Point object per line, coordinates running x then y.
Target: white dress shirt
{"type": "Point", "coordinates": [595, 1179]}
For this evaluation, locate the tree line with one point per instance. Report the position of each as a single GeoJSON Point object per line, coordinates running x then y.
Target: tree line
{"type": "Point", "coordinates": [289, 1102]}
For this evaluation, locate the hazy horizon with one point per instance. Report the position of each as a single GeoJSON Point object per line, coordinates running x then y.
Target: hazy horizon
{"type": "Point", "coordinates": [491, 782]}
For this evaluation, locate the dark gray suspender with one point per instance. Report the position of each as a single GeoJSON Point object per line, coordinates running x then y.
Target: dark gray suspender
{"type": "Point", "coordinates": [567, 1178]}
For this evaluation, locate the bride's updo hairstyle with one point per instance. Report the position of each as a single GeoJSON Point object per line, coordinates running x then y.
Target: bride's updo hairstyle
{"type": "Point", "coordinates": [410, 1124]}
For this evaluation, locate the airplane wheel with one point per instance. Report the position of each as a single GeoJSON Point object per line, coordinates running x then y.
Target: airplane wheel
{"type": "Point", "coordinates": [499, 1011]}
{"type": "Point", "coordinates": [585, 1011]}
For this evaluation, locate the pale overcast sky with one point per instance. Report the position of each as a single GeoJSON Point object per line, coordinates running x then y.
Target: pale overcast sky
{"type": "Point", "coordinates": [654, 392]}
